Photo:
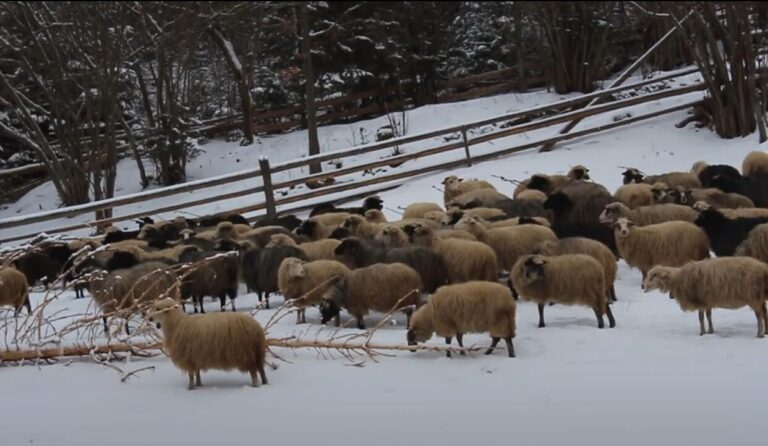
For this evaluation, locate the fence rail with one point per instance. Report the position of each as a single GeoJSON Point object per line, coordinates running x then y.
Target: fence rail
{"type": "Point", "coordinates": [522, 121]}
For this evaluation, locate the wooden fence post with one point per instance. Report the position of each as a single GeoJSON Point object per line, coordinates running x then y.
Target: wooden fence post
{"type": "Point", "coordinates": [466, 146]}
{"type": "Point", "coordinates": [269, 193]}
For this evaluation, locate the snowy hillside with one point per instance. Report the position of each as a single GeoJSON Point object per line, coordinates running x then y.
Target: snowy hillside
{"type": "Point", "coordinates": [650, 380]}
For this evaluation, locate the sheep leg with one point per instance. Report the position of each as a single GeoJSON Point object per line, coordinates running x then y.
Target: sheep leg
{"type": "Point", "coordinates": [765, 318]}
{"type": "Point", "coordinates": [232, 297]}
{"type": "Point", "coordinates": [360, 323]}
{"type": "Point", "coordinates": [494, 342]}
{"type": "Point", "coordinates": [254, 378]}
{"type": "Point", "coordinates": [760, 323]}
{"type": "Point", "coordinates": [599, 315]}
{"type": "Point", "coordinates": [198, 382]}
{"type": "Point", "coordinates": [541, 316]}
{"type": "Point", "coordinates": [223, 302]}
{"type": "Point", "coordinates": [127, 329]}
{"type": "Point", "coordinates": [611, 320]}
{"type": "Point", "coordinates": [266, 300]}
{"type": "Point", "coordinates": [511, 288]}
{"type": "Point", "coordinates": [709, 320]}
{"type": "Point", "coordinates": [510, 346]}
{"type": "Point", "coordinates": [263, 375]}
{"type": "Point", "coordinates": [613, 293]}
{"type": "Point", "coordinates": [448, 342]}
{"type": "Point", "coordinates": [200, 303]}
{"type": "Point", "coordinates": [191, 381]}
{"type": "Point", "coordinates": [460, 340]}
{"type": "Point", "coordinates": [337, 320]}
{"type": "Point", "coordinates": [701, 323]}
{"type": "Point", "coordinates": [106, 327]}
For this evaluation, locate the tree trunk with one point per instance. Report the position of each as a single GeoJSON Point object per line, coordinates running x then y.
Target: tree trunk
{"type": "Point", "coordinates": [236, 67]}
{"type": "Point", "coordinates": [309, 84]}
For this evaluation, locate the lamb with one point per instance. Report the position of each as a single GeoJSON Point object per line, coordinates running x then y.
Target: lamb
{"type": "Point", "coordinates": [464, 260]}
{"type": "Point", "coordinates": [731, 283]}
{"type": "Point", "coordinates": [508, 243]}
{"type": "Point", "coordinates": [581, 245]}
{"type": "Point", "coordinates": [455, 186]}
{"type": "Point", "coordinates": [578, 202]}
{"type": "Point", "coordinates": [726, 234]}
{"type": "Point", "coordinates": [714, 197]}
{"type": "Point", "coordinates": [566, 279]}
{"type": "Point", "coordinates": [359, 253]}
{"type": "Point", "coordinates": [732, 213]}
{"type": "Point", "coordinates": [706, 173]}
{"type": "Point", "coordinates": [472, 307]}
{"type": "Point", "coordinates": [14, 290]}
{"type": "Point", "coordinates": [755, 163]}
{"type": "Point", "coordinates": [299, 279]}
{"type": "Point", "coordinates": [648, 215]}
{"type": "Point", "coordinates": [419, 210]}
{"type": "Point", "coordinates": [634, 194]}
{"type": "Point", "coordinates": [260, 267]}
{"type": "Point", "coordinates": [754, 187]}
{"type": "Point", "coordinates": [756, 244]}
{"type": "Point", "coordinates": [124, 289]}
{"type": "Point", "coordinates": [380, 287]}
{"type": "Point", "coordinates": [673, 243]}
{"type": "Point", "coordinates": [317, 250]}
{"type": "Point", "coordinates": [203, 342]}
{"type": "Point", "coordinates": [671, 179]}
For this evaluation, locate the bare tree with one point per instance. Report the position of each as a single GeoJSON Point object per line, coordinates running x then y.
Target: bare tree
{"type": "Point", "coordinates": [309, 84]}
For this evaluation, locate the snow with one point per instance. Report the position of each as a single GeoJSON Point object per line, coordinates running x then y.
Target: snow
{"type": "Point", "coordinates": [650, 380]}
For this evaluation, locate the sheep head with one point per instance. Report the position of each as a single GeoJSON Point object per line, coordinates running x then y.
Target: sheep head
{"type": "Point", "coordinates": [421, 328]}
{"type": "Point", "coordinates": [451, 182]}
{"type": "Point", "coordinates": [225, 229]}
{"type": "Point", "coordinates": [340, 234]}
{"type": "Point", "coordinates": [540, 182]}
{"type": "Point", "coordinates": [159, 310]}
{"type": "Point", "coordinates": [579, 172]}
{"type": "Point", "coordinates": [701, 205]}
{"type": "Point", "coordinates": [375, 216]}
{"type": "Point", "coordinates": [710, 220]}
{"type": "Point", "coordinates": [698, 166]}
{"type": "Point", "coordinates": [280, 240]}
{"type": "Point", "coordinates": [558, 202]}
{"type": "Point", "coordinates": [421, 235]}
{"type": "Point", "coordinates": [439, 217]}
{"type": "Point", "coordinates": [622, 227]}
{"type": "Point", "coordinates": [352, 223]}
{"type": "Point", "coordinates": [330, 306]}
{"type": "Point", "coordinates": [632, 175]}
{"type": "Point", "coordinates": [373, 202]}
{"type": "Point", "coordinates": [659, 278]}
{"type": "Point", "coordinates": [659, 193]}
{"type": "Point", "coordinates": [612, 212]}
{"type": "Point", "coordinates": [294, 267]}
{"type": "Point", "coordinates": [533, 268]}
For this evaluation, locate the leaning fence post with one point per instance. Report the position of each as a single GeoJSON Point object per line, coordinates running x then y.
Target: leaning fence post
{"type": "Point", "coordinates": [269, 193]}
{"type": "Point", "coordinates": [466, 146]}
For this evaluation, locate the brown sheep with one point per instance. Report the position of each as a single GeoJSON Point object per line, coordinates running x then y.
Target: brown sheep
{"type": "Point", "coordinates": [14, 290]}
{"type": "Point", "coordinates": [755, 163]}
{"type": "Point", "coordinates": [634, 194]}
{"type": "Point", "coordinates": [647, 215]}
{"type": "Point", "coordinates": [472, 307]}
{"type": "Point", "coordinates": [567, 279]}
{"type": "Point", "coordinates": [383, 287]}
{"type": "Point", "coordinates": [223, 341]}
{"type": "Point", "coordinates": [464, 260]}
{"type": "Point", "coordinates": [360, 227]}
{"type": "Point", "coordinates": [392, 237]}
{"type": "Point", "coordinates": [733, 213]}
{"type": "Point", "coordinates": [756, 244]}
{"type": "Point", "coordinates": [419, 210]}
{"type": "Point", "coordinates": [375, 216]}
{"type": "Point", "coordinates": [308, 281]}
{"type": "Point", "coordinates": [726, 282]}
{"type": "Point", "coordinates": [673, 243]}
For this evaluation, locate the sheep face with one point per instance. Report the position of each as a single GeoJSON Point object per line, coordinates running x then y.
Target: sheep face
{"type": "Point", "coordinates": [623, 227]}
{"type": "Point", "coordinates": [632, 175]}
{"type": "Point", "coordinates": [437, 217]}
{"type": "Point", "coordinates": [373, 203]}
{"type": "Point", "coordinates": [710, 219]}
{"type": "Point", "coordinates": [451, 182]}
{"type": "Point", "coordinates": [159, 310]}
{"type": "Point", "coordinates": [534, 268]}
{"type": "Point", "coordinates": [539, 182]}
{"type": "Point", "coordinates": [682, 196]}
{"type": "Point", "coordinates": [658, 278]}
{"type": "Point", "coordinates": [698, 166]}
{"type": "Point", "coordinates": [295, 268]}
{"type": "Point", "coordinates": [187, 234]}
{"type": "Point", "coordinates": [659, 193]}
{"type": "Point", "coordinates": [611, 213]}
{"type": "Point", "coordinates": [416, 335]}
{"type": "Point", "coordinates": [579, 172]}
{"type": "Point", "coordinates": [329, 305]}
{"type": "Point", "coordinates": [307, 228]}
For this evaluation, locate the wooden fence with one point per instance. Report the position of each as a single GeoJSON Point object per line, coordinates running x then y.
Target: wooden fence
{"type": "Point", "coordinates": [535, 118]}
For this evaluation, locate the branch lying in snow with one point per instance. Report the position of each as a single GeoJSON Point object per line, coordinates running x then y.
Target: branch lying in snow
{"type": "Point", "coordinates": [515, 182]}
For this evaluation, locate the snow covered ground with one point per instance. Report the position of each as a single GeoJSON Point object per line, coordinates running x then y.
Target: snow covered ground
{"type": "Point", "coordinates": [650, 380]}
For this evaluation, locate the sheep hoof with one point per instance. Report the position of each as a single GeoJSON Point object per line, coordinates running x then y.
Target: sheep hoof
{"type": "Point", "coordinates": [541, 325]}
{"type": "Point", "coordinates": [489, 351]}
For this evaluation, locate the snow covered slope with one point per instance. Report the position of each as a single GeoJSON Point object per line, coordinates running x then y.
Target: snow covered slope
{"type": "Point", "coordinates": [650, 380]}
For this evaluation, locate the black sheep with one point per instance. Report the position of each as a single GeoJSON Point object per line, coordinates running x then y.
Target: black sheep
{"type": "Point", "coordinates": [755, 187]}
{"type": "Point", "coordinates": [260, 267]}
{"type": "Point", "coordinates": [430, 266]}
{"type": "Point", "coordinates": [595, 231]}
{"type": "Point", "coordinates": [578, 202]}
{"type": "Point", "coordinates": [45, 263]}
{"type": "Point", "coordinates": [726, 234]}
{"type": "Point", "coordinates": [209, 221]}
{"type": "Point", "coordinates": [119, 236]}
{"type": "Point", "coordinates": [368, 204]}
{"type": "Point", "coordinates": [710, 172]}
{"type": "Point", "coordinates": [289, 222]}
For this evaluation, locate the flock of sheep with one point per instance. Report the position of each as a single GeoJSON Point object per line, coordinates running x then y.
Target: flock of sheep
{"type": "Point", "coordinates": [453, 268]}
